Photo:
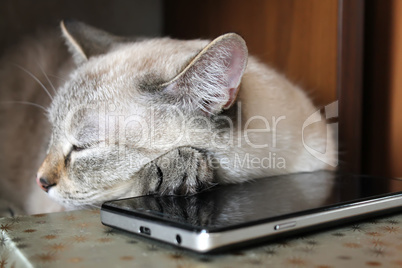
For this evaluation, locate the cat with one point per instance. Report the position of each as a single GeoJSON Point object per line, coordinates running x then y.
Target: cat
{"type": "Point", "coordinates": [135, 116]}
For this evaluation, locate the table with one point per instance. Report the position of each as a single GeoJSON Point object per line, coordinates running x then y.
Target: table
{"type": "Point", "coordinates": [78, 239]}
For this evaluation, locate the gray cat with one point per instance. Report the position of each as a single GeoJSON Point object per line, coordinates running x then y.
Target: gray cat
{"type": "Point", "coordinates": [130, 117]}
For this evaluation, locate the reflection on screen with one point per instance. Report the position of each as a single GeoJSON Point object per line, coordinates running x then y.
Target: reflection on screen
{"type": "Point", "coordinates": [230, 205]}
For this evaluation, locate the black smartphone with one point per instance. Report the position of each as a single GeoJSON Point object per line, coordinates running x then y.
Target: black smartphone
{"type": "Point", "coordinates": [230, 215]}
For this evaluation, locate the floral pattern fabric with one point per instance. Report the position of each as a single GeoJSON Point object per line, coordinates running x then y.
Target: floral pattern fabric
{"type": "Point", "coordinates": [78, 239]}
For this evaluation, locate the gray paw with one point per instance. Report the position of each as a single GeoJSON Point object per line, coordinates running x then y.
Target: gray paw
{"type": "Point", "coordinates": [7, 210]}
{"type": "Point", "coordinates": [182, 171]}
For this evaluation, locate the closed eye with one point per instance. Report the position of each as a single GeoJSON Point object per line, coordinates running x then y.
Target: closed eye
{"type": "Point", "coordinates": [85, 146]}
{"type": "Point", "coordinates": [77, 148]}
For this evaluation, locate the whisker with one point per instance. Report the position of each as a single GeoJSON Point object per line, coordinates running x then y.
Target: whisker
{"type": "Point", "coordinates": [26, 103]}
{"type": "Point", "coordinates": [47, 78]}
{"type": "Point", "coordinates": [36, 79]}
{"type": "Point", "coordinates": [58, 77]}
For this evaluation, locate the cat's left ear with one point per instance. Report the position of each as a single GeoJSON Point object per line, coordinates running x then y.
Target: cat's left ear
{"type": "Point", "coordinates": [85, 41]}
{"type": "Point", "coordinates": [211, 81]}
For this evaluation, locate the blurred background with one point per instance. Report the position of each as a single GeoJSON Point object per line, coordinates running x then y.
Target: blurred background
{"type": "Point", "coordinates": [345, 50]}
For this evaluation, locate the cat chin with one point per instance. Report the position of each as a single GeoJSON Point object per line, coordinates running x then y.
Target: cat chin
{"type": "Point", "coordinates": [71, 207]}
{"type": "Point", "coordinates": [67, 204]}
{"type": "Point", "coordinates": [72, 204]}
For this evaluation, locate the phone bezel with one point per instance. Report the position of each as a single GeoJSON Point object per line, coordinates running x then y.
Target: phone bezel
{"type": "Point", "coordinates": [169, 222]}
{"type": "Point", "coordinates": [204, 241]}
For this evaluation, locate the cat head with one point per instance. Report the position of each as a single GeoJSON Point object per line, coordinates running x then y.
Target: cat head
{"type": "Point", "coordinates": [127, 103]}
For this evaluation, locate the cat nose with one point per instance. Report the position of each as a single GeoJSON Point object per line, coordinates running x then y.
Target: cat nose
{"type": "Point", "coordinates": [44, 183]}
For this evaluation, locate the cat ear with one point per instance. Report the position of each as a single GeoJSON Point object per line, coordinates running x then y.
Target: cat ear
{"type": "Point", "coordinates": [211, 81]}
{"type": "Point", "coordinates": [85, 41]}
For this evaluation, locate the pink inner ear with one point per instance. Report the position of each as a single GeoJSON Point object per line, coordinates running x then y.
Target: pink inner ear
{"type": "Point", "coordinates": [223, 63]}
{"type": "Point", "coordinates": [232, 97]}
{"type": "Point", "coordinates": [235, 73]}
{"type": "Point", "coordinates": [236, 66]}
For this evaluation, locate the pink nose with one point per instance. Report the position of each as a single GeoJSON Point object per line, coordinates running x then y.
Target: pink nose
{"type": "Point", "coordinates": [43, 183]}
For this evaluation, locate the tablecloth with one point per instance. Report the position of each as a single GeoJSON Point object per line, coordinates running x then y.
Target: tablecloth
{"type": "Point", "coordinates": [78, 239]}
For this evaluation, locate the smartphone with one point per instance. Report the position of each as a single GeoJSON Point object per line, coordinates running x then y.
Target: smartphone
{"type": "Point", "coordinates": [226, 216]}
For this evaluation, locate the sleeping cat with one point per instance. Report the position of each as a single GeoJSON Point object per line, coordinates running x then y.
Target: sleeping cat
{"type": "Point", "coordinates": [130, 117]}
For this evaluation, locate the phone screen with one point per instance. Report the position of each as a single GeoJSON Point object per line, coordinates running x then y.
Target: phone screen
{"type": "Point", "coordinates": [228, 206]}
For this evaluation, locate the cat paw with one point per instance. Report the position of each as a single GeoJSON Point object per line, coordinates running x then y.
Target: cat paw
{"type": "Point", "coordinates": [182, 171]}
{"type": "Point", "coordinates": [7, 210]}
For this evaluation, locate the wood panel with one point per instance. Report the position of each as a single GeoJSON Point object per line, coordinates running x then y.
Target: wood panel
{"type": "Point", "coordinates": [382, 125]}
{"type": "Point", "coordinates": [296, 37]}
{"type": "Point", "coordinates": [350, 82]}
{"type": "Point", "coordinates": [377, 82]}
{"type": "Point", "coordinates": [396, 91]}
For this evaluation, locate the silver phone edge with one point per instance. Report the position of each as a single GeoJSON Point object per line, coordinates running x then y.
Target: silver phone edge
{"type": "Point", "coordinates": [203, 241]}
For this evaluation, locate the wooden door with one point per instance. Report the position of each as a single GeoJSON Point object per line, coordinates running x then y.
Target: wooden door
{"type": "Point", "coordinates": [315, 43]}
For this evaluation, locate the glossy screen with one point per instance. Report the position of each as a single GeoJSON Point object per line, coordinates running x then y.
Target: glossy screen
{"type": "Point", "coordinates": [260, 200]}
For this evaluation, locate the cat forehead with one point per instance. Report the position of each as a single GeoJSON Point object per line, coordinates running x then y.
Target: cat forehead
{"type": "Point", "coordinates": [118, 74]}
{"type": "Point", "coordinates": [122, 71]}
{"type": "Point", "coordinates": [163, 56]}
